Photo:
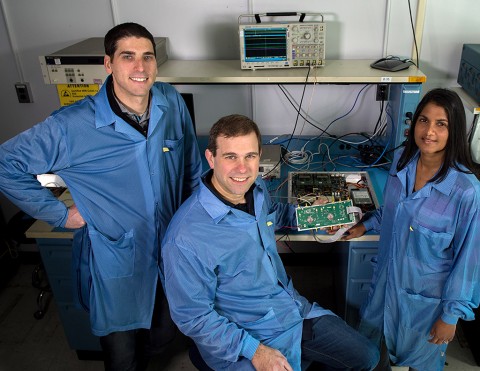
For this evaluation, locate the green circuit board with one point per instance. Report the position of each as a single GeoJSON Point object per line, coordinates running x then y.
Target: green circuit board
{"type": "Point", "coordinates": [328, 215]}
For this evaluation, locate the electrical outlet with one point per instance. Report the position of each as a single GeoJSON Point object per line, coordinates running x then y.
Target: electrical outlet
{"type": "Point", "coordinates": [24, 93]}
{"type": "Point", "coordinates": [383, 91]}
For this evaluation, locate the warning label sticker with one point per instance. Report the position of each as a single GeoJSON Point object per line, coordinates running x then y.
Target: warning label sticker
{"type": "Point", "coordinates": [71, 93]}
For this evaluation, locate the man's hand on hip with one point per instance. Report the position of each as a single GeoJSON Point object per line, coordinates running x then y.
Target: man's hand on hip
{"type": "Point", "coordinates": [74, 219]}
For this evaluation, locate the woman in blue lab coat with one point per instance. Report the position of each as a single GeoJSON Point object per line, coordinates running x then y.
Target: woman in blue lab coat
{"type": "Point", "coordinates": [427, 275]}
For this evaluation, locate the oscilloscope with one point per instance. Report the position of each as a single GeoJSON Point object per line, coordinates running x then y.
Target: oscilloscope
{"type": "Point", "coordinates": [281, 45]}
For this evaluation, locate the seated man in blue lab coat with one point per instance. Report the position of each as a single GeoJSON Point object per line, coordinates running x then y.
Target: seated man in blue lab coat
{"type": "Point", "coordinates": [129, 157]}
{"type": "Point", "coordinates": [225, 283]}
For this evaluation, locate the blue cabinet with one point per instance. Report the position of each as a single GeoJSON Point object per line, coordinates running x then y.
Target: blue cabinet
{"type": "Point", "coordinates": [56, 255]}
{"type": "Point", "coordinates": [354, 276]}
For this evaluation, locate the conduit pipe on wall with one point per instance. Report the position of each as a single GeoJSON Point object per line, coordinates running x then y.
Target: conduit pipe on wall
{"type": "Point", "coordinates": [386, 31]}
{"type": "Point", "coordinates": [12, 41]}
{"type": "Point", "coordinates": [419, 23]}
{"type": "Point", "coordinates": [253, 105]}
{"type": "Point", "coordinates": [114, 7]}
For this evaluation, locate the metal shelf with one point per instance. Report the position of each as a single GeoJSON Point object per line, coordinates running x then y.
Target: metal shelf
{"type": "Point", "coordinates": [334, 72]}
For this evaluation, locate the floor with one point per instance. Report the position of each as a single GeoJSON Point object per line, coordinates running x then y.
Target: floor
{"type": "Point", "coordinates": [30, 344]}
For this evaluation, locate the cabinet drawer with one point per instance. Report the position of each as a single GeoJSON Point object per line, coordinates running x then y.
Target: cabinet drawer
{"type": "Point", "coordinates": [57, 260]}
{"type": "Point", "coordinates": [357, 292]}
{"type": "Point", "coordinates": [62, 289]}
{"type": "Point", "coordinates": [65, 242]}
{"type": "Point", "coordinates": [361, 265]}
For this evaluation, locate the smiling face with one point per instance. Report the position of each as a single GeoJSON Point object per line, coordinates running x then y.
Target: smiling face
{"type": "Point", "coordinates": [134, 70]}
{"type": "Point", "coordinates": [235, 166]}
{"type": "Point", "coordinates": [431, 130]}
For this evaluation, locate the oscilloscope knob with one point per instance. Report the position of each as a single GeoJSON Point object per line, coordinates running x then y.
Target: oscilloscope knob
{"type": "Point", "coordinates": [307, 35]}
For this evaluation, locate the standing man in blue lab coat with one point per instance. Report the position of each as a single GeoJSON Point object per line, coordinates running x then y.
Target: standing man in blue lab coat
{"type": "Point", "coordinates": [226, 285]}
{"type": "Point", "coordinates": [129, 157]}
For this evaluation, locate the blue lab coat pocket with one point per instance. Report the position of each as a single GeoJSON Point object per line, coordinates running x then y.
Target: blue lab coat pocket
{"type": "Point", "coordinates": [113, 258]}
{"type": "Point", "coordinates": [173, 163]}
{"type": "Point", "coordinates": [429, 246]}
{"type": "Point", "coordinates": [265, 327]}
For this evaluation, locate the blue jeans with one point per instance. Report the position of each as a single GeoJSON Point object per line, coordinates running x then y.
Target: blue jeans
{"type": "Point", "coordinates": [131, 350]}
{"type": "Point", "coordinates": [338, 346]}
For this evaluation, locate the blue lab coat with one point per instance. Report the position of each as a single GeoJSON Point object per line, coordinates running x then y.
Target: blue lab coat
{"type": "Point", "coordinates": [428, 263]}
{"type": "Point", "coordinates": [226, 285]}
{"type": "Point", "coordinates": [126, 187]}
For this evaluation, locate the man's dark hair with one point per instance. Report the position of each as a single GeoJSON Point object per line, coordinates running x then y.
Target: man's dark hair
{"type": "Point", "coordinates": [122, 31]}
{"type": "Point", "coordinates": [232, 126]}
{"type": "Point", "coordinates": [457, 149]}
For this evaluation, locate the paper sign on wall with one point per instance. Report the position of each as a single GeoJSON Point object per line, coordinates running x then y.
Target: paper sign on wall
{"type": "Point", "coordinates": [71, 93]}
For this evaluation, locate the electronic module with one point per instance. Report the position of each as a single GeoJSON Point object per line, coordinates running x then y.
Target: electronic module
{"type": "Point", "coordinates": [348, 195]}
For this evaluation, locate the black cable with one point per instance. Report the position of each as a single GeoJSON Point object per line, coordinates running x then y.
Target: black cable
{"type": "Point", "coordinates": [337, 139]}
{"type": "Point", "coordinates": [299, 109]}
{"type": "Point", "coordinates": [470, 131]}
{"type": "Point", "coordinates": [379, 120]}
{"type": "Point", "coordinates": [288, 246]}
{"type": "Point", "coordinates": [355, 147]}
{"type": "Point", "coordinates": [413, 31]}
{"type": "Point", "coordinates": [323, 131]}
{"type": "Point", "coordinates": [340, 117]}
{"type": "Point", "coordinates": [351, 109]}
{"type": "Point", "coordinates": [298, 112]}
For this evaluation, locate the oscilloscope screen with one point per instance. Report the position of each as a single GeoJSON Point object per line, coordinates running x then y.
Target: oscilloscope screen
{"type": "Point", "coordinates": [265, 44]}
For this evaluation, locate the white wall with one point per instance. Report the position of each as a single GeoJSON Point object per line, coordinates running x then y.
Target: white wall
{"type": "Point", "coordinates": [207, 29]}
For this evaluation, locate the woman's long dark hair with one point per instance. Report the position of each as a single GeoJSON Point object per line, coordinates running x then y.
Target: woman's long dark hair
{"type": "Point", "coordinates": [457, 150]}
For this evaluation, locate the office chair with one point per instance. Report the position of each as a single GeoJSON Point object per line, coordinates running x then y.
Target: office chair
{"type": "Point", "coordinates": [9, 261]}
{"type": "Point", "coordinates": [40, 281]}
{"type": "Point", "coordinates": [17, 226]}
